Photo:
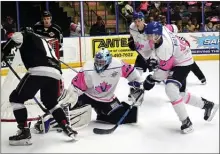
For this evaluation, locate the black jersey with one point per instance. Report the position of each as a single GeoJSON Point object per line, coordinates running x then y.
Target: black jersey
{"type": "Point", "coordinates": [37, 55]}
{"type": "Point", "coordinates": [54, 31]}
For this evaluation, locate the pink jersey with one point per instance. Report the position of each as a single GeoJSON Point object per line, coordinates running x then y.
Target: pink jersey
{"type": "Point", "coordinates": [173, 52]}
{"type": "Point", "coordinates": [101, 87]}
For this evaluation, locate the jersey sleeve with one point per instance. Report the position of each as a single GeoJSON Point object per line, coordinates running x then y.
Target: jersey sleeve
{"type": "Point", "coordinates": [59, 35]}
{"type": "Point", "coordinates": [15, 41]}
{"type": "Point", "coordinates": [129, 72]}
{"type": "Point", "coordinates": [79, 82]}
{"type": "Point", "coordinates": [166, 59]}
{"type": "Point", "coordinates": [36, 26]}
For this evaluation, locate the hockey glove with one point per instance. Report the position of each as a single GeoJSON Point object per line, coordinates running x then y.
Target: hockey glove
{"type": "Point", "coordinates": [131, 43]}
{"type": "Point", "coordinates": [149, 82]}
{"type": "Point", "coordinates": [135, 89]}
{"type": "Point", "coordinates": [152, 64]}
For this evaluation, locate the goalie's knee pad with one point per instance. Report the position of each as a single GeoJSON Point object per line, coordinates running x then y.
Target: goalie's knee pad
{"type": "Point", "coordinates": [172, 91]}
{"type": "Point", "coordinates": [117, 114]}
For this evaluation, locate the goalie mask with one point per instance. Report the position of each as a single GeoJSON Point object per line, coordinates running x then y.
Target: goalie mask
{"type": "Point", "coordinates": [102, 60]}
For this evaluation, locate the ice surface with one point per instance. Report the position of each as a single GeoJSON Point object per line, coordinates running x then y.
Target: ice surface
{"type": "Point", "coordinates": [158, 129]}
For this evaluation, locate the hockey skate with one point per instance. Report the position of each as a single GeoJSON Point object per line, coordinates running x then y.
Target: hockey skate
{"type": "Point", "coordinates": [203, 81]}
{"type": "Point", "coordinates": [210, 109]}
{"type": "Point", "coordinates": [23, 137]}
{"type": "Point", "coordinates": [186, 126]}
{"type": "Point", "coordinates": [70, 132]}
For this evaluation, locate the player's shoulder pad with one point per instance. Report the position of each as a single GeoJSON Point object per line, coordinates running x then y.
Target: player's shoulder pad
{"type": "Point", "coordinates": [39, 23]}
{"type": "Point", "coordinates": [116, 63]}
{"type": "Point", "coordinates": [58, 28]}
{"type": "Point", "coordinates": [88, 66]}
{"type": "Point", "coordinates": [133, 26]}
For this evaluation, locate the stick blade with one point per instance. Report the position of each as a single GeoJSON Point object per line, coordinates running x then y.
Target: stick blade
{"type": "Point", "coordinates": [103, 131]}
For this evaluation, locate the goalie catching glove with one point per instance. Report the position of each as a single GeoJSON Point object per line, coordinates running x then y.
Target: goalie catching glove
{"type": "Point", "coordinates": [135, 89]}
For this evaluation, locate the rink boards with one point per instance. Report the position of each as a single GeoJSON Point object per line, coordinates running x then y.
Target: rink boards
{"type": "Point", "coordinates": [77, 50]}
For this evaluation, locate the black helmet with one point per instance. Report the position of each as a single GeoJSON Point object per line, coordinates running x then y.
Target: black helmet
{"type": "Point", "coordinates": [46, 14]}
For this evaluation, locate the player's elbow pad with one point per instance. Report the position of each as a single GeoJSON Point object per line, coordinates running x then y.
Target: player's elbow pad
{"type": "Point", "coordinates": [131, 43]}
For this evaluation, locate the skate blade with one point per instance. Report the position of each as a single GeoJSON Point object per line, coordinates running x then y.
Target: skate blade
{"type": "Point", "coordinates": [73, 137]}
{"type": "Point", "coordinates": [204, 83]}
{"type": "Point", "coordinates": [215, 109]}
{"type": "Point", "coordinates": [188, 130]}
{"type": "Point", "coordinates": [23, 142]}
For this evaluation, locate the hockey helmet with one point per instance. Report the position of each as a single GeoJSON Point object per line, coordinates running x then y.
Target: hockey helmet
{"type": "Point", "coordinates": [102, 60]}
{"type": "Point", "coordinates": [46, 14]}
{"type": "Point", "coordinates": [154, 30]}
{"type": "Point", "coordinates": [138, 15]}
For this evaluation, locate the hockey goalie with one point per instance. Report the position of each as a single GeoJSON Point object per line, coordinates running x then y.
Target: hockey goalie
{"type": "Point", "coordinates": [93, 87]}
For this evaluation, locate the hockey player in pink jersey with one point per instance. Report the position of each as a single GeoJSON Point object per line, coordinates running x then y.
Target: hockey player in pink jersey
{"type": "Point", "coordinates": [175, 59]}
{"type": "Point", "coordinates": [194, 67]}
{"type": "Point", "coordinates": [95, 85]}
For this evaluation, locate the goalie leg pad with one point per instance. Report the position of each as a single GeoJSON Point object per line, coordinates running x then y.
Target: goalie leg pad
{"type": "Point", "coordinates": [79, 118]}
{"type": "Point", "coordinates": [114, 117]}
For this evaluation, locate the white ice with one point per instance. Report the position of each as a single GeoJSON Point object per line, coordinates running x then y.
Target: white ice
{"type": "Point", "coordinates": [157, 131]}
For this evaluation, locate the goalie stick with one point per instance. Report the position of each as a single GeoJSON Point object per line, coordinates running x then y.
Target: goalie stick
{"type": "Point", "coordinates": [111, 130]}
{"type": "Point", "coordinates": [38, 103]}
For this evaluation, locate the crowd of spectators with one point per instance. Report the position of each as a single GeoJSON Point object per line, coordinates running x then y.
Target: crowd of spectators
{"type": "Point", "coordinates": [186, 15]}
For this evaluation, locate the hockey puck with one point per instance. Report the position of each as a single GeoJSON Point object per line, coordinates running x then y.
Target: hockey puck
{"type": "Point", "coordinates": [59, 130]}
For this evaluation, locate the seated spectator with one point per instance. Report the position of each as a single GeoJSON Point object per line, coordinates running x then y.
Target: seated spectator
{"type": "Point", "coordinates": [151, 19]}
{"type": "Point", "coordinates": [143, 7]}
{"type": "Point", "coordinates": [216, 27]}
{"type": "Point", "coordinates": [156, 10]}
{"type": "Point", "coordinates": [129, 12]}
{"type": "Point", "coordinates": [179, 26]}
{"type": "Point", "coordinates": [163, 20]}
{"type": "Point", "coordinates": [9, 26]}
{"type": "Point", "coordinates": [195, 23]}
{"type": "Point", "coordinates": [175, 16]}
{"type": "Point", "coordinates": [209, 27]}
{"type": "Point", "coordinates": [75, 27]}
{"type": "Point", "coordinates": [190, 27]}
{"type": "Point", "coordinates": [98, 28]}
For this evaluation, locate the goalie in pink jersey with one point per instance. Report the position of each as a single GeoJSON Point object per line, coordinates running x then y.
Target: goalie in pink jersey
{"type": "Point", "coordinates": [175, 60]}
{"type": "Point", "coordinates": [95, 85]}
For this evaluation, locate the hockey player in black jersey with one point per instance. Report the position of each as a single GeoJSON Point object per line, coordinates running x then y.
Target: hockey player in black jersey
{"type": "Point", "coordinates": [43, 73]}
{"type": "Point", "coordinates": [48, 29]}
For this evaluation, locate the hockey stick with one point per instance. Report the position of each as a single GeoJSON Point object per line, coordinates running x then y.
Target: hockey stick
{"type": "Point", "coordinates": [38, 103]}
{"type": "Point", "coordinates": [69, 66]}
{"type": "Point", "coordinates": [111, 130]}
